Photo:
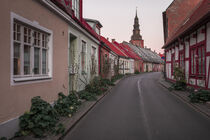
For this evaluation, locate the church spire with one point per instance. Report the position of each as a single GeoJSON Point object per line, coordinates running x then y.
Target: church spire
{"type": "Point", "coordinates": [136, 12]}
{"type": "Point", "coordinates": [136, 31]}
{"type": "Point", "coordinates": [136, 38]}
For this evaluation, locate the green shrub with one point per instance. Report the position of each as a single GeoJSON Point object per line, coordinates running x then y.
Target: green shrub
{"type": "Point", "coordinates": [116, 77]}
{"type": "Point", "coordinates": [200, 96]}
{"type": "Point", "coordinates": [87, 95]}
{"type": "Point", "coordinates": [179, 76]}
{"type": "Point", "coordinates": [3, 138]}
{"type": "Point", "coordinates": [41, 119]}
{"type": "Point", "coordinates": [67, 105]}
{"type": "Point", "coordinates": [97, 86]}
{"type": "Point", "coordinates": [107, 82]}
{"type": "Point", "coordinates": [136, 72]}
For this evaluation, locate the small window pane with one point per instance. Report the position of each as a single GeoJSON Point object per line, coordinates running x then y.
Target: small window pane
{"type": "Point", "coordinates": [18, 28]}
{"type": "Point", "coordinates": [18, 36]}
{"type": "Point", "coordinates": [36, 60]}
{"type": "Point", "coordinates": [199, 60]}
{"type": "Point", "coordinates": [192, 62]}
{"type": "Point", "coordinates": [203, 55]}
{"type": "Point", "coordinates": [14, 35]}
{"type": "Point", "coordinates": [14, 26]}
{"type": "Point", "coordinates": [16, 59]}
{"type": "Point", "coordinates": [26, 60]}
{"type": "Point", "coordinates": [44, 61]}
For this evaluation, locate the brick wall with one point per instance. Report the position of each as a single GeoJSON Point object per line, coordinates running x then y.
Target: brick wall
{"type": "Point", "coordinates": [177, 12]}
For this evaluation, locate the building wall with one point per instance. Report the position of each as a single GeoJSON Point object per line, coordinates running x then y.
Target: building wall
{"type": "Point", "coordinates": [113, 60]}
{"type": "Point", "coordinates": [16, 99]}
{"type": "Point", "coordinates": [148, 67]}
{"type": "Point", "coordinates": [104, 56]}
{"type": "Point", "coordinates": [139, 43]}
{"type": "Point", "coordinates": [79, 77]}
{"type": "Point", "coordinates": [177, 12]}
{"type": "Point", "coordinates": [131, 65]}
{"type": "Point", "coordinates": [138, 64]}
{"type": "Point", "coordinates": [124, 66]}
{"type": "Point", "coordinates": [196, 38]}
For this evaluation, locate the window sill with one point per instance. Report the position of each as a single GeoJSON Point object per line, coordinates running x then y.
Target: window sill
{"type": "Point", "coordinates": [26, 79]}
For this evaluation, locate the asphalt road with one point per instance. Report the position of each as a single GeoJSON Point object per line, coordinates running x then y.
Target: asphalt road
{"type": "Point", "coordinates": [138, 108]}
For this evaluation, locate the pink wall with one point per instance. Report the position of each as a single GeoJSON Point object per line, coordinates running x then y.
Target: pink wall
{"type": "Point", "coordinates": [16, 99]}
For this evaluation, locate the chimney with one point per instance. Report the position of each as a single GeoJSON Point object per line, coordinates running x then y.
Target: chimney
{"type": "Point", "coordinates": [113, 40]}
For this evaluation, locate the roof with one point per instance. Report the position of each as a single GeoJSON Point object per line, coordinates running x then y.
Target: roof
{"type": "Point", "coordinates": [95, 21]}
{"type": "Point", "coordinates": [120, 48]}
{"type": "Point", "coordinates": [112, 47]}
{"type": "Point", "coordinates": [130, 52]}
{"type": "Point", "coordinates": [81, 21]}
{"type": "Point", "coordinates": [146, 54]}
{"type": "Point", "coordinates": [201, 13]}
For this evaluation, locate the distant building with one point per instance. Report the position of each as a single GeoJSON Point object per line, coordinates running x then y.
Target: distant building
{"type": "Point", "coordinates": [136, 38]}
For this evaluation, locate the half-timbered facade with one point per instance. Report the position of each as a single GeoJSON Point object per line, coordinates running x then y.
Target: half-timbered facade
{"type": "Point", "coordinates": [189, 48]}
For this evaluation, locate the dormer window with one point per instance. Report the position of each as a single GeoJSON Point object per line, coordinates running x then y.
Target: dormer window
{"type": "Point", "coordinates": [76, 8]}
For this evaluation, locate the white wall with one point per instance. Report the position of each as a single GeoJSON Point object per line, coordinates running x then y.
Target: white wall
{"type": "Point", "coordinates": [186, 49]}
{"type": "Point", "coordinates": [192, 39]}
{"type": "Point", "coordinates": [176, 53]}
{"type": "Point", "coordinates": [131, 61]}
{"type": "Point", "coordinates": [208, 37]}
{"type": "Point", "coordinates": [79, 77]}
{"type": "Point", "coordinates": [201, 36]}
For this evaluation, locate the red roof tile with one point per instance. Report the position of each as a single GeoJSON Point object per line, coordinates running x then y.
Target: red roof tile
{"type": "Point", "coordinates": [118, 46]}
{"type": "Point", "coordinates": [81, 22]}
{"type": "Point", "coordinates": [112, 47]}
{"type": "Point", "coordinates": [202, 11]}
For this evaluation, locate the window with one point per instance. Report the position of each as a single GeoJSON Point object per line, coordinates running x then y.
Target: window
{"type": "Point", "coordinates": [93, 52]}
{"type": "Point", "coordinates": [30, 52]}
{"type": "Point", "coordinates": [173, 64]}
{"type": "Point", "coordinates": [83, 56]}
{"type": "Point", "coordinates": [76, 8]}
{"type": "Point", "coordinates": [197, 60]}
{"type": "Point", "coordinates": [181, 60]}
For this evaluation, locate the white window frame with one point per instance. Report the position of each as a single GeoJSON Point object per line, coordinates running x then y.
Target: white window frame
{"type": "Point", "coordinates": [14, 80]}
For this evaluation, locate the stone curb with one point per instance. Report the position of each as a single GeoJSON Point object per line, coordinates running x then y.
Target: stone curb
{"type": "Point", "coordinates": [88, 110]}
{"type": "Point", "coordinates": [192, 105]}
{"type": "Point", "coordinates": [86, 107]}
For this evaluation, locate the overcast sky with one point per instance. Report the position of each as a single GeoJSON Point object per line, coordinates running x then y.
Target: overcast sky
{"type": "Point", "coordinates": [117, 18]}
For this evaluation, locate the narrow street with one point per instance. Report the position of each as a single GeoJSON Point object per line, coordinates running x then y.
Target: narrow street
{"type": "Point", "coordinates": [139, 108]}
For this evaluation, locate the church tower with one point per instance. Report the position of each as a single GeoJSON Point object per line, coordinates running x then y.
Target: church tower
{"type": "Point", "coordinates": [136, 38]}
